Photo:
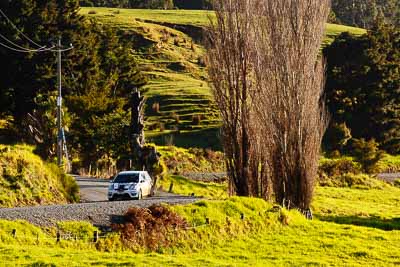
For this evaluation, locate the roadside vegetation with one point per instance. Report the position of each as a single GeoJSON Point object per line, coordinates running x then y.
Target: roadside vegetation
{"type": "Point", "coordinates": [25, 179]}
{"type": "Point", "coordinates": [240, 231]}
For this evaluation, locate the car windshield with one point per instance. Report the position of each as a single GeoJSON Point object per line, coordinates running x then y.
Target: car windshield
{"type": "Point", "coordinates": [127, 178]}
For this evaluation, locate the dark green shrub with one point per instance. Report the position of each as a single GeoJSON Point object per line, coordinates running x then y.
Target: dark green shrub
{"type": "Point", "coordinates": [336, 137]}
{"type": "Point", "coordinates": [367, 153]}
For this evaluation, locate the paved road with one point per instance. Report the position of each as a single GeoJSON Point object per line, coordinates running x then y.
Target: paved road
{"type": "Point", "coordinates": [92, 190]}
{"type": "Point", "coordinates": [95, 190]}
{"type": "Point", "coordinates": [94, 207]}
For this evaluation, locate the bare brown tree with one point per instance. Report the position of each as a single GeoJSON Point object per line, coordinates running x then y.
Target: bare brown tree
{"type": "Point", "coordinates": [290, 108]}
{"type": "Point", "coordinates": [268, 82]}
{"type": "Point", "coordinates": [230, 52]}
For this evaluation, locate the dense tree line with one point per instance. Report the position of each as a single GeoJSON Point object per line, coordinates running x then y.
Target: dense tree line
{"type": "Point", "coordinates": [99, 76]}
{"type": "Point", "coordinates": [363, 88]}
{"type": "Point", "coordinates": [151, 4]}
{"type": "Point", "coordinates": [363, 13]}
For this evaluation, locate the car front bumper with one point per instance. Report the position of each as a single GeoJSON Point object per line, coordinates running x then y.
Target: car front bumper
{"type": "Point", "coordinates": [122, 194]}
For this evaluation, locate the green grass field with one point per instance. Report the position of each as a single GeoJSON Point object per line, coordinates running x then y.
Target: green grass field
{"type": "Point", "coordinates": [180, 106]}
{"type": "Point", "coordinates": [266, 237]}
{"type": "Point", "coordinates": [352, 227]}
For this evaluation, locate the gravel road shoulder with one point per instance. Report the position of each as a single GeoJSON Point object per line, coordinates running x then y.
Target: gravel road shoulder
{"type": "Point", "coordinates": [98, 213]}
{"type": "Point", "coordinates": [95, 207]}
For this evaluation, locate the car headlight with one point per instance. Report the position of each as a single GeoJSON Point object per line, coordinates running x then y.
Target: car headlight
{"type": "Point", "coordinates": [133, 187]}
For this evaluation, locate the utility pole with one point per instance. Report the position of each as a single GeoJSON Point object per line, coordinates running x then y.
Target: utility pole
{"type": "Point", "coordinates": [60, 142]}
{"type": "Point", "coordinates": [60, 131]}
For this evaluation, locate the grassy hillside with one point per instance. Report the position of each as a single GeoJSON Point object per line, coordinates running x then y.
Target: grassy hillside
{"type": "Point", "coordinates": [25, 179]}
{"type": "Point", "coordinates": [180, 108]}
{"type": "Point", "coordinates": [182, 17]}
{"type": "Point", "coordinates": [266, 237]}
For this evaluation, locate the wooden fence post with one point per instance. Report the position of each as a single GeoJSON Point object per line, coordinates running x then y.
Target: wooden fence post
{"type": "Point", "coordinates": [95, 236]}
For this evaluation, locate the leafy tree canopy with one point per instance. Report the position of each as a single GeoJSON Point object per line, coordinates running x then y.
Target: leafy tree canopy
{"type": "Point", "coordinates": [99, 75]}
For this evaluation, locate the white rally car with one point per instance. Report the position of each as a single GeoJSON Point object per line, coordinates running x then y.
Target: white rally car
{"type": "Point", "coordinates": [130, 185]}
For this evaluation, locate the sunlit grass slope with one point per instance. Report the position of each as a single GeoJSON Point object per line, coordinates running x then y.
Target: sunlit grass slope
{"type": "Point", "coordinates": [25, 179]}
{"type": "Point", "coordinates": [265, 237]}
{"type": "Point", "coordinates": [183, 17]}
{"type": "Point", "coordinates": [180, 107]}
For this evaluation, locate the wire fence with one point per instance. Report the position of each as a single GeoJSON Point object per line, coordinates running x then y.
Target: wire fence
{"type": "Point", "coordinates": [96, 235]}
{"type": "Point", "coordinates": [94, 238]}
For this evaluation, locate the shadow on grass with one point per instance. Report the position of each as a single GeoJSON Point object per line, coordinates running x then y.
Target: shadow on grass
{"type": "Point", "coordinates": [204, 138]}
{"type": "Point", "coordinates": [8, 137]}
{"type": "Point", "coordinates": [373, 221]}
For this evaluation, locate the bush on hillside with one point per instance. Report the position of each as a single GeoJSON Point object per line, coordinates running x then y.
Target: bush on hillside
{"type": "Point", "coordinates": [345, 172]}
{"type": "Point", "coordinates": [368, 154]}
{"type": "Point", "coordinates": [336, 137]}
{"type": "Point", "coordinates": [340, 166]}
{"type": "Point", "coordinates": [154, 228]}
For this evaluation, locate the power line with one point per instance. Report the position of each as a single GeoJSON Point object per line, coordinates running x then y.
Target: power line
{"type": "Point", "coordinates": [61, 142]}
{"type": "Point", "coordinates": [18, 30]}
{"type": "Point", "coordinates": [24, 49]}
{"type": "Point", "coordinates": [21, 47]}
{"type": "Point", "coordinates": [27, 50]}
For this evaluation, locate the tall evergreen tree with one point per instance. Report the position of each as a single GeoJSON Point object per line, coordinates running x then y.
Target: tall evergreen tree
{"type": "Point", "coordinates": [363, 85]}
{"type": "Point", "coordinates": [98, 76]}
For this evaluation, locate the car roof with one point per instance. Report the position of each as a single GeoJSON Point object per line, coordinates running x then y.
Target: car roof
{"type": "Point", "coordinates": [132, 172]}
